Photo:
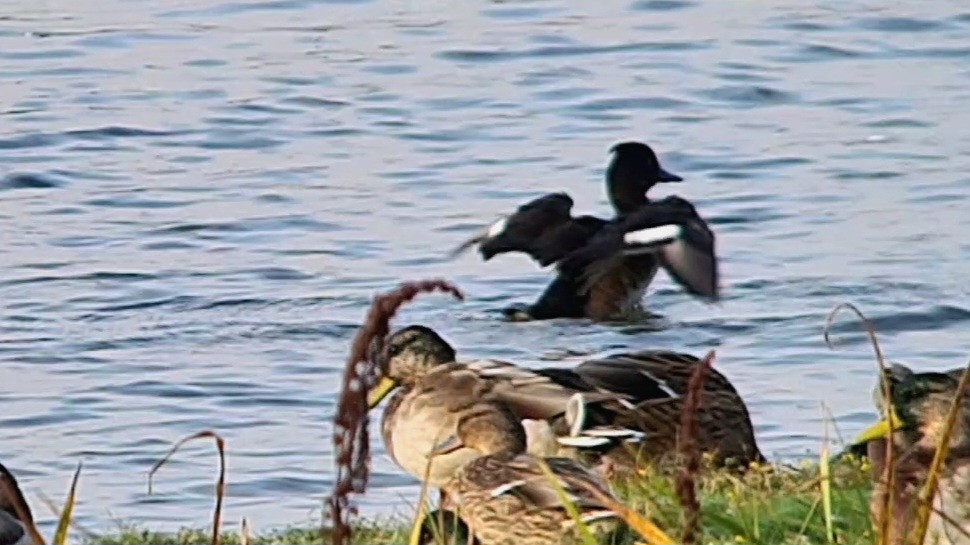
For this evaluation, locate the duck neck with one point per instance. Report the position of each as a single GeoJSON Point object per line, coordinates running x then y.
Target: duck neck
{"type": "Point", "coordinates": [626, 194]}
{"type": "Point", "coordinates": [625, 201]}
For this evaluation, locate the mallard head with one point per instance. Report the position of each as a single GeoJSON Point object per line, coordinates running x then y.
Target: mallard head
{"type": "Point", "coordinates": [920, 403]}
{"type": "Point", "coordinates": [407, 355]}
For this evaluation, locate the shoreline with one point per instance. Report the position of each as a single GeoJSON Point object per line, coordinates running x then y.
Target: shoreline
{"type": "Point", "coordinates": [771, 505]}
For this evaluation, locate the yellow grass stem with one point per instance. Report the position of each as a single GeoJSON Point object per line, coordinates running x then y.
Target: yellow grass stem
{"type": "Point", "coordinates": [571, 510]}
{"type": "Point", "coordinates": [825, 480]}
{"type": "Point", "coordinates": [647, 530]}
{"type": "Point", "coordinates": [414, 537]}
{"type": "Point", "coordinates": [64, 521]}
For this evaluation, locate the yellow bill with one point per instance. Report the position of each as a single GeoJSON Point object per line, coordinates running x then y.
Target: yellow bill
{"type": "Point", "coordinates": [879, 429]}
{"type": "Point", "coordinates": [379, 392]}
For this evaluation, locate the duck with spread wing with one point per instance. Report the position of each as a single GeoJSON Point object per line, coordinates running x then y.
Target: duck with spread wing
{"type": "Point", "coordinates": [605, 266]}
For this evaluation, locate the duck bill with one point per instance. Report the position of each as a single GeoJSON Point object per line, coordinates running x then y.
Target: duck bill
{"type": "Point", "coordinates": [667, 176]}
{"type": "Point", "coordinates": [379, 392]}
{"type": "Point", "coordinates": [880, 429]}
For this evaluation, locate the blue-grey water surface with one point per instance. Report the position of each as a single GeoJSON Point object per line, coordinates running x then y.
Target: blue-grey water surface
{"type": "Point", "coordinates": [198, 199]}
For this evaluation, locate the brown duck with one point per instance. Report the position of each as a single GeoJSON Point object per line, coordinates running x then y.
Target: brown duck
{"type": "Point", "coordinates": [919, 407]}
{"type": "Point", "coordinates": [640, 393]}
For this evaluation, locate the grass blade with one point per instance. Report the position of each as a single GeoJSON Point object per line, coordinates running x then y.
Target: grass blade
{"type": "Point", "coordinates": [647, 530]}
{"type": "Point", "coordinates": [571, 510]}
{"type": "Point", "coordinates": [826, 483]}
{"type": "Point", "coordinates": [415, 536]}
{"type": "Point", "coordinates": [244, 532]}
{"type": "Point", "coordinates": [89, 536]}
{"type": "Point", "coordinates": [220, 484]}
{"type": "Point", "coordinates": [64, 522]}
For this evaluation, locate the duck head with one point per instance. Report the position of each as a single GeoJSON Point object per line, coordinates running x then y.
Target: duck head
{"type": "Point", "coordinates": [407, 355]}
{"type": "Point", "coordinates": [920, 405]}
{"type": "Point", "coordinates": [632, 172]}
{"type": "Point", "coordinates": [16, 520]}
{"type": "Point", "coordinates": [489, 427]}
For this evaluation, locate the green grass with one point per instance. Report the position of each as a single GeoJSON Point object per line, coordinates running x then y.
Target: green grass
{"type": "Point", "coordinates": [770, 505]}
{"type": "Point", "coordinates": [387, 531]}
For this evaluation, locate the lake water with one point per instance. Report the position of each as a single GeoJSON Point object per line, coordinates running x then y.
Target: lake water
{"type": "Point", "coordinates": [199, 198]}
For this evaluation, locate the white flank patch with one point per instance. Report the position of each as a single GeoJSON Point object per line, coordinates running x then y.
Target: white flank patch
{"type": "Point", "coordinates": [583, 441]}
{"type": "Point", "coordinates": [653, 235]}
{"type": "Point", "coordinates": [499, 490]}
{"type": "Point", "coordinates": [576, 413]}
{"type": "Point", "coordinates": [614, 432]}
{"type": "Point", "coordinates": [496, 228]}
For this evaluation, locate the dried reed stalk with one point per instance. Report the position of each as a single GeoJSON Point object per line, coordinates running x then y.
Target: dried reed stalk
{"type": "Point", "coordinates": [220, 483]}
{"type": "Point", "coordinates": [889, 470]}
{"type": "Point", "coordinates": [351, 439]}
{"type": "Point", "coordinates": [689, 453]}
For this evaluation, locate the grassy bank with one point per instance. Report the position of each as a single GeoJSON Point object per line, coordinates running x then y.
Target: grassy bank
{"type": "Point", "coordinates": [772, 505]}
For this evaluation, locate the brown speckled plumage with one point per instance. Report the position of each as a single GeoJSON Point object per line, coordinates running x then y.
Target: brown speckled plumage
{"type": "Point", "coordinates": [724, 424]}
{"type": "Point", "coordinates": [504, 496]}
{"type": "Point", "coordinates": [640, 391]}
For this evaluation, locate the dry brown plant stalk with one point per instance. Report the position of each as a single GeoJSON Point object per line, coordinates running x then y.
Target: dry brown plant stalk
{"type": "Point", "coordinates": [689, 453]}
{"type": "Point", "coordinates": [220, 484]}
{"type": "Point", "coordinates": [351, 440]}
{"type": "Point", "coordinates": [889, 469]}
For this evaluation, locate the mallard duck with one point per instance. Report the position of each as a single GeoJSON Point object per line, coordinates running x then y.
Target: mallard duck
{"type": "Point", "coordinates": [918, 408]}
{"type": "Point", "coordinates": [504, 496]}
{"type": "Point", "coordinates": [605, 266]}
{"type": "Point", "coordinates": [16, 520]}
{"type": "Point", "coordinates": [636, 391]}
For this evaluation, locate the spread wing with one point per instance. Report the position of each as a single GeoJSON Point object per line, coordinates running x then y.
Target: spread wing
{"type": "Point", "coordinates": [671, 230]}
{"type": "Point", "coordinates": [543, 228]}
